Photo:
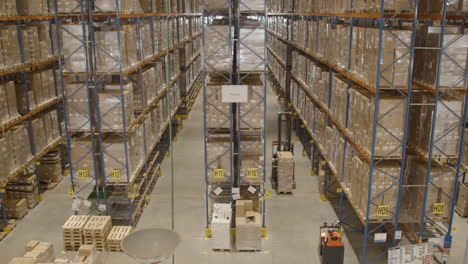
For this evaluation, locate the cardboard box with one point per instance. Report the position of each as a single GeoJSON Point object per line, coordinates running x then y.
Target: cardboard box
{"type": "Point", "coordinates": [23, 260]}
{"type": "Point", "coordinates": [249, 231]}
{"type": "Point", "coordinates": [16, 208]}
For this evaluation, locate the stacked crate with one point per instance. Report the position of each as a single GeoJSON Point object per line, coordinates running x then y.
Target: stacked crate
{"type": "Point", "coordinates": [96, 231]}
{"type": "Point", "coordinates": [116, 235]}
{"type": "Point", "coordinates": [73, 232]}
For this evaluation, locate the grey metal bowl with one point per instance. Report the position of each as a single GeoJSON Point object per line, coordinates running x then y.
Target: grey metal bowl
{"type": "Point", "coordinates": [150, 246]}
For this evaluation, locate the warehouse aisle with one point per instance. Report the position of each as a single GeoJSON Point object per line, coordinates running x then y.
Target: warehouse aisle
{"type": "Point", "coordinates": [292, 221]}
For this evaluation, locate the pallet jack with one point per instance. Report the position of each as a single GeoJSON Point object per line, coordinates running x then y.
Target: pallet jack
{"type": "Point", "coordinates": [282, 144]}
{"type": "Point", "coordinates": [331, 248]}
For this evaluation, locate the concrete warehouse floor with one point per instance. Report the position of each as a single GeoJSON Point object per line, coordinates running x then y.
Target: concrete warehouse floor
{"type": "Point", "coordinates": [293, 221]}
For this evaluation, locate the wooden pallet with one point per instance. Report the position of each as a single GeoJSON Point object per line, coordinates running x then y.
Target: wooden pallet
{"type": "Point", "coordinates": [73, 232]}
{"type": "Point", "coordinates": [96, 230]}
{"type": "Point", "coordinates": [116, 235]}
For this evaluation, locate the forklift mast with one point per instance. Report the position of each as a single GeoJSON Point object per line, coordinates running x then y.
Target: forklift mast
{"type": "Point", "coordinates": [284, 130]}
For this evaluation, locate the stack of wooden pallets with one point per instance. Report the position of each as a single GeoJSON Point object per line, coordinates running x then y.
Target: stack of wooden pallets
{"type": "Point", "coordinates": [96, 230]}
{"type": "Point", "coordinates": [116, 235]}
{"type": "Point", "coordinates": [73, 232]}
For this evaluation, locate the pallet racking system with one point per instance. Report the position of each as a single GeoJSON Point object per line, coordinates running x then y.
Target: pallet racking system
{"type": "Point", "coordinates": [232, 56]}
{"type": "Point", "coordinates": [122, 82]}
{"type": "Point", "coordinates": [21, 63]}
{"type": "Point", "coordinates": [316, 112]}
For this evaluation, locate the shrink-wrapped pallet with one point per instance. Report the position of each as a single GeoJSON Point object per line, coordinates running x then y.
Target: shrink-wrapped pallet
{"type": "Point", "coordinates": [116, 107]}
{"type": "Point", "coordinates": [285, 172]}
{"type": "Point", "coordinates": [248, 227]}
{"type": "Point", "coordinates": [9, 52]}
{"type": "Point", "coordinates": [439, 192]}
{"type": "Point", "coordinates": [447, 123]}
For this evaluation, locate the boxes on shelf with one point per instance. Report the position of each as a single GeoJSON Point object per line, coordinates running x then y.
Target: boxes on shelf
{"type": "Point", "coordinates": [390, 129]}
{"type": "Point", "coordinates": [439, 193]}
{"type": "Point", "coordinates": [8, 106]}
{"type": "Point", "coordinates": [50, 167]}
{"type": "Point", "coordinates": [453, 63]}
{"type": "Point", "coordinates": [32, 7]}
{"type": "Point", "coordinates": [8, 8]}
{"type": "Point", "coordinates": [110, 107]}
{"type": "Point", "coordinates": [108, 52]}
{"type": "Point", "coordinates": [16, 208]}
{"type": "Point", "coordinates": [125, 6]}
{"type": "Point", "coordinates": [448, 118]}
{"type": "Point", "coordinates": [9, 53]}
{"type": "Point", "coordinates": [20, 152]}
{"type": "Point", "coordinates": [114, 157]}
{"type": "Point", "coordinates": [248, 226]}
{"type": "Point", "coordinates": [462, 200]}
{"type": "Point", "coordinates": [24, 186]}
{"type": "Point", "coordinates": [110, 104]}
{"type": "Point", "coordinates": [218, 156]}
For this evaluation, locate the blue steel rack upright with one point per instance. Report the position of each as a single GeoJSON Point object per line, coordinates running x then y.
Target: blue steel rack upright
{"type": "Point", "coordinates": [383, 19]}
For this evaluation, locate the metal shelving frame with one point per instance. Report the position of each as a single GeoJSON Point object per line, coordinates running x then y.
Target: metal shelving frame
{"type": "Point", "coordinates": [381, 20]}
{"type": "Point", "coordinates": [106, 197]}
{"type": "Point", "coordinates": [234, 13]}
{"type": "Point", "coordinates": [23, 69]}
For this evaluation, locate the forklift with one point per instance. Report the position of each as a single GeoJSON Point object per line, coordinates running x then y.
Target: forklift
{"type": "Point", "coordinates": [284, 144]}
{"type": "Point", "coordinates": [331, 248]}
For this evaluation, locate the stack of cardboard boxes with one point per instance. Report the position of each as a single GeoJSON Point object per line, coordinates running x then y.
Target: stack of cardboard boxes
{"type": "Point", "coordinates": [248, 226]}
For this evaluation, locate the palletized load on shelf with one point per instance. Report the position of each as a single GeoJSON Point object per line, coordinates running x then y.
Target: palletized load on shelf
{"type": "Point", "coordinates": [218, 157]}
{"type": "Point", "coordinates": [50, 167]}
{"type": "Point", "coordinates": [9, 52]}
{"type": "Point", "coordinates": [108, 51]}
{"type": "Point", "coordinates": [439, 192]}
{"type": "Point", "coordinates": [110, 106]}
{"type": "Point", "coordinates": [8, 105]}
{"type": "Point", "coordinates": [446, 133]}
{"type": "Point", "coordinates": [40, 88]}
{"type": "Point", "coordinates": [365, 6]}
{"type": "Point", "coordinates": [114, 157]}
{"type": "Point", "coordinates": [16, 208]}
{"type": "Point", "coordinates": [25, 187]}
{"type": "Point", "coordinates": [33, 7]}
{"type": "Point", "coordinates": [8, 8]}
{"type": "Point", "coordinates": [125, 6]}
{"type": "Point", "coordinates": [453, 63]}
